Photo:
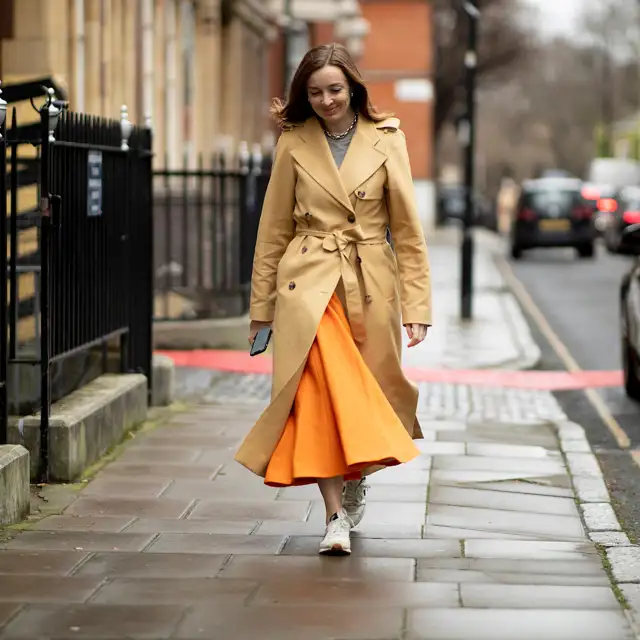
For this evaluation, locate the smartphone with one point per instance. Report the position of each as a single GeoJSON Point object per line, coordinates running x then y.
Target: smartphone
{"type": "Point", "coordinates": [261, 341]}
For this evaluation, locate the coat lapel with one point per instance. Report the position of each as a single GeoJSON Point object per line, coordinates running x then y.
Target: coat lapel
{"type": "Point", "coordinates": [363, 157]}
{"type": "Point", "coordinates": [316, 159]}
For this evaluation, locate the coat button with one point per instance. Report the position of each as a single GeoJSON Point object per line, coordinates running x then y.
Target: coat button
{"type": "Point", "coordinates": [304, 249]}
{"type": "Point", "coordinates": [361, 194]}
{"type": "Point", "coordinates": [359, 260]}
{"type": "Point", "coordinates": [351, 218]}
{"type": "Point", "coordinates": [367, 299]}
{"type": "Point", "coordinates": [292, 286]}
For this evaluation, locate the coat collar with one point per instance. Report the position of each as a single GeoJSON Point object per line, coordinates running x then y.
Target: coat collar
{"type": "Point", "coordinates": [363, 159]}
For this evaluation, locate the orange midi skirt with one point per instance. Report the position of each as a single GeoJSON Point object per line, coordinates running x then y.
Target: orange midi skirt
{"type": "Point", "coordinates": [341, 421]}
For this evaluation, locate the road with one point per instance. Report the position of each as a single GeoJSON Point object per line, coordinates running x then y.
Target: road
{"type": "Point", "coordinates": [579, 299]}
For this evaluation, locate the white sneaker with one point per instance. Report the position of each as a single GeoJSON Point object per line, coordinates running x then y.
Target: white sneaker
{"type": "Point", "coordinates": [336, 541]}
{"type": "Point", "coordinates": [354, 499]}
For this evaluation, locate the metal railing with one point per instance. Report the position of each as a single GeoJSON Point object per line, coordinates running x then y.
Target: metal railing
{"type": "Point", "coordinates": [206, 223]}
{"type": "Point", "coordinates": [91, 258]}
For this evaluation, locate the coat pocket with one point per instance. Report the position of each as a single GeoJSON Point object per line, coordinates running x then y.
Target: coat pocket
{"type": "Point", "coordinates": [372, 188]}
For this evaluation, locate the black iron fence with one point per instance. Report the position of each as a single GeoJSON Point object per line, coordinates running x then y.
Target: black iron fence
{"type": "Point", "coordinates": [206, 222]}
{"type": "Point", "coordinates": [91, 254]}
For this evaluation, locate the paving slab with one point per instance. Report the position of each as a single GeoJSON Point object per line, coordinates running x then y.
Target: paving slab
{"type": "Point", "coordinates": [520, 596]}
{"type": "Point", "coordinates": [97, 524]}
{"type": "Point", "coordinates": [534, 525]}
{"type": "Point", "coordinates": [167, 471]}
{"type": "Point", "coordinates": [79, 541]}
{"type": "Point", "coordinates": [48, 589]}
{"type": "Point", "coordinates": [175, 525]}
{"type": "Point", "coordinates": [7, 611]}
{"type": "Point", "coordinates": [479, 537]}
{"type": "Point", "coordinates": [134, 507]}
{"type": "Point", "coordinates": [189, 591]}
{"type": "Point", "coordinates": [284, 622]}
{"type": "Point", "coordinates": [127, 487]}
{"type": "Point", "coordinates": [90, 622]}
{"type": "Point", "coordinates": [40, 563]}
{"type": "Point", "coordinates": [239, 510]}
{"type": "Point", "coordinates": [526, 467]}
{"type": "Point", "coordinates": [354, 594]}
{"type": "Point", "coordinates": [529, 549]}
{"type": "Point", "coordinates": [152, 565]}
{"type": "Point", "coordinates": [468, 533]}
{"type": "Point", "coordinates": [505, 624]}
{"type": "Point", "coordinates": [216, 543]}
{"type": "Point", "coordinates": [504, 501]}
{"type": "Point", "coordinates": [543, 436]}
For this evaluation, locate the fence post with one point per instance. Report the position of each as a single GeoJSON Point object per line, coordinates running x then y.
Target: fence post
{"type": "Point", "coordinates": [245, 176]}
{"type": "Point", "coordinates": [126, 339]}
{"type": "Point", "coordinates": [4, 413]}
{"type": "Point", "coordinates": [49, 115]}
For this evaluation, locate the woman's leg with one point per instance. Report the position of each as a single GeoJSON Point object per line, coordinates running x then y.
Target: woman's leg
{"type": "Point", "coordinates": [331, 490]}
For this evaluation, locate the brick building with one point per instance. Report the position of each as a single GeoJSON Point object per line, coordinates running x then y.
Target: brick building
{"type": "Point", "coordinates": [397, 63]}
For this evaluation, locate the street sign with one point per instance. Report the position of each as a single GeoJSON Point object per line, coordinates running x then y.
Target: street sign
{"type": "Point", "coordinates": [94, 183]}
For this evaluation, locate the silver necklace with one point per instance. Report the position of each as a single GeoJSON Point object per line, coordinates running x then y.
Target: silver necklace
{"type": "Point", "coordinates": [339, 136]}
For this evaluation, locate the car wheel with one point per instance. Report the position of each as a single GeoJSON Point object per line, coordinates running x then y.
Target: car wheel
{"type": "Point", "coordinates": [586, 250]}
{"type": "Point", "coordinates": [516, 252]}
{"type": "Point", "coordinates": [630, 366]}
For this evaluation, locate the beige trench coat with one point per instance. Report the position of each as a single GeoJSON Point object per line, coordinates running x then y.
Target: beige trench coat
{"type": "Point", "coordinates": [320, 227]}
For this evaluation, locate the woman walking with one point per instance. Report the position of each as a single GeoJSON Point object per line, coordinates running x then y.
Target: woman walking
{"type": "Point", "coordinates": [335, 293]}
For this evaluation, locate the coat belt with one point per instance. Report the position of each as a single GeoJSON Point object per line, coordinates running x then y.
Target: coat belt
{"type": "Point", "coordinates": [342, 240]}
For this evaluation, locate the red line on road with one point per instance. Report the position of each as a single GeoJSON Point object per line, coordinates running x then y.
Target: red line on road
{"type": "Point", "coordinates": [241, 362]}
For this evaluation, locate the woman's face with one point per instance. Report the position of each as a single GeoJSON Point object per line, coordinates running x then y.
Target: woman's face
{"type": "Point", "coordinates": [329, 94]}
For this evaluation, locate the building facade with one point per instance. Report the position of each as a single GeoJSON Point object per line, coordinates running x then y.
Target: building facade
{"type": "Point", "coordinates": [199, 70]}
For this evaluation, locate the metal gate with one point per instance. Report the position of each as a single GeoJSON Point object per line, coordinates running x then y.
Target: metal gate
{"type": "Point", "coordinates": [92, 263]}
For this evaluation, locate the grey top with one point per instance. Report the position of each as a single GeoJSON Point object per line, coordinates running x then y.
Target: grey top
{"type": "Point", "coordinates": [339, 147]}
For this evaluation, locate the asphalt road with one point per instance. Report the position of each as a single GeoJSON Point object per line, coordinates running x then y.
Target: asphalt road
{"type": "Point", "coordinates": [579, 299]}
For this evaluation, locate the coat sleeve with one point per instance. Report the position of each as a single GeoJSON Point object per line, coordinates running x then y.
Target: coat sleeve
{"type": "Point", "coordinates": [407, 234]}
{"type": "Point", "coordinates": [275, 232]}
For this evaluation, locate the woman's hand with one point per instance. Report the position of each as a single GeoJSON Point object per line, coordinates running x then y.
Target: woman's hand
{"type": "Point", "coordinates": [416, 332]}
{"type": "Point", "coordinates": [254, 327]}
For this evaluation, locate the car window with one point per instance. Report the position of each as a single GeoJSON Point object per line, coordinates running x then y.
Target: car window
{"type": "Point", "coordinates": [545, 198]}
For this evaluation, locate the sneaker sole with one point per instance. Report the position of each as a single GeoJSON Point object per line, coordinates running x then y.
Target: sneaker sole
{"type": "Point", "coordinates": [335, 550]}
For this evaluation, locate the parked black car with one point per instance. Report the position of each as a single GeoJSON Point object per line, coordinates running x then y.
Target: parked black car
{"type": "Point", "coordinates": [451, 206]}
{"type": "Point", "coordinates": [625, 213]}
{"type": "Point", "coordinates": [630, 313]}
{"type": "Point", "coordinates": [551, 212]}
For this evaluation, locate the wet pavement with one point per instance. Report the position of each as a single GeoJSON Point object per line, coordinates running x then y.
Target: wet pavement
{"type": "Point", "coordinates": [479, 538]}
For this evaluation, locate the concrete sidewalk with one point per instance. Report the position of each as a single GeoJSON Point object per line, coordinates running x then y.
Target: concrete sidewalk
{"type": "Point", "coordinates": [478, 539]}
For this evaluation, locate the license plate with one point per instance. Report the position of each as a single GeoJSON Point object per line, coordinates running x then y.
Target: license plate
{"type": "Point", "coordinates": [554, 225]}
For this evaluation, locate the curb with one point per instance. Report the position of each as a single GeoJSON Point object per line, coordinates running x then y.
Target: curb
{"type": "Point", "coordinates": [599, 518]}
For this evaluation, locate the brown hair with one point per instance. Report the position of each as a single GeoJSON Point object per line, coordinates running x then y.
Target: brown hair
{"type": "Point", "coordinates": [296, 109]}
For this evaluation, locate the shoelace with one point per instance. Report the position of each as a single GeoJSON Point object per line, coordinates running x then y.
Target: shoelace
{"type": "Point", "coordinates": [339, 525]}
{"type": "Point", "coordinates": [354, 493]}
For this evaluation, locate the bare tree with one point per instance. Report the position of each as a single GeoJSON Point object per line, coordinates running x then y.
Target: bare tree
{"type": "Point", "coordinates": [504, 42]}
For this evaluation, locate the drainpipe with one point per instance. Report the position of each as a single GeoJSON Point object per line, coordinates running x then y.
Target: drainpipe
{"type": "Point", "coordinates": [79, 56]}
{"type": "Point", "coordinates": [172, 115]}
{"type": "Point", "coordinates": [147, 59]}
